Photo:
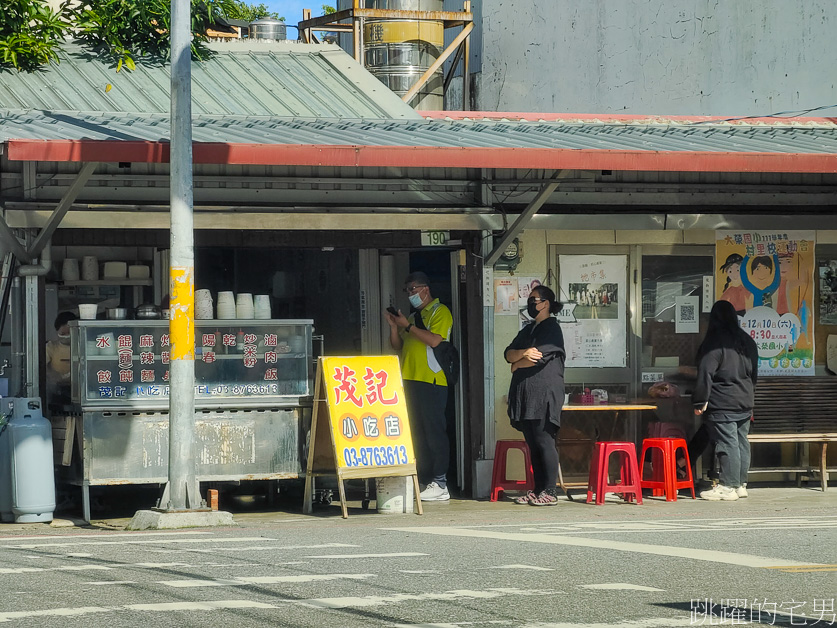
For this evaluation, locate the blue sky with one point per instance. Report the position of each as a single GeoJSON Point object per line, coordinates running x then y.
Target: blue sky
{"type": "Point", "coordinates": [292, 9]}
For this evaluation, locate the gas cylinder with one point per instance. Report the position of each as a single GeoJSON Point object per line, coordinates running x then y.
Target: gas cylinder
{"type": "Point", "coordinates": [6, 514]}
{"type": "Point", "coordinates": [30, 457]}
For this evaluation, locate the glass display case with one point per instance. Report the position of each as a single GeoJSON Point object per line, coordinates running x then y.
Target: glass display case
{"type": "Point", "coordinates": [238, 363]}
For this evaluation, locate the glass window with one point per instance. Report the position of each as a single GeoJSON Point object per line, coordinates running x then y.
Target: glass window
{"type": "Point", "coordinates": [665, 277]}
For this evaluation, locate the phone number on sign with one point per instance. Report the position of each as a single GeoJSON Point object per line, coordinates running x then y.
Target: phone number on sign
{"type": "Point", "coordinates": [375, 456]}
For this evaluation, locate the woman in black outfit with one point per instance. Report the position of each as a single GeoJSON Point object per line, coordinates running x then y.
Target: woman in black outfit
{"type": "Point", "coordinates": [536, 394]}
{"type": "Point", "coordinates": [728, 362]}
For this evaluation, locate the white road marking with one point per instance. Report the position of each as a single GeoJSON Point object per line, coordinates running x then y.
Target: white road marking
{"type": "Point", "coordinates": [713, 556]}
{"type": "Point", "coordinates": [251, 548]}
{"type": "Point", "coordinates": [244, 581]}
{"type": "Point", "coordinates": [420, 571]}
{"type": "Point", "coordinates": [532, 567]}
{"type": "Point", "coordinates": [650, 622]}
{"type": "Point", "coordinates": [459, 624]}
{"type": "Point", "coordinates": [103, 583]}
{"type": "Point", "coordinates": [54, 612]}
{"type": "Point", "coordinates": [390, 555]}
{"type": "Point", "coordinates": [167, 607]}
{"type": "Point", "coordinates": [337, 602]}
{"type": "Point", "coordinates": [75, 555]}
{"type": "Point", "coordinates": [375, 600]}
{"type": "Point", "coordinates": [18, 570]}
{"type": "Point", "coordinates": [78, 543]}
{"type": "Point", "coordinates": [619, 586]}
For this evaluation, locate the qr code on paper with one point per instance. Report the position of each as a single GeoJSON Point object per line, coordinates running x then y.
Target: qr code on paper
{"type": "Point", "coordinates": [687, 313]}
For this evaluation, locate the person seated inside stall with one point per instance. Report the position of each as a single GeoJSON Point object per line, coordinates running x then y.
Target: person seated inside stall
{"type": "Point", "coordinates": [58, 361]}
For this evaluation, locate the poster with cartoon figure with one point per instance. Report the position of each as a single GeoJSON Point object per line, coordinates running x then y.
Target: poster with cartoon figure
{"type": "Point", "coordinates": [769, 277]}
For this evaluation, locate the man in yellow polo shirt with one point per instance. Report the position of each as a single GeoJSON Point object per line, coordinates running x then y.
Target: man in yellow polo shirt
{"type": "Point", "coordinates": [425, 385]}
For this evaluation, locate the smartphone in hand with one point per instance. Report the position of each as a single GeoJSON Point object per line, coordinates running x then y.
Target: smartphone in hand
{"type": "Point", "coordinates": [392, 311]}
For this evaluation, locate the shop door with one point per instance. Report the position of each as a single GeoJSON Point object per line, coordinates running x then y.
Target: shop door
{"type": "Point", "coordinates": [441, 266]}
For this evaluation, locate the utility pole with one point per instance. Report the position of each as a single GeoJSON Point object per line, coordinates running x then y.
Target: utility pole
{"type": "Point", "coordinates": [181, 492]}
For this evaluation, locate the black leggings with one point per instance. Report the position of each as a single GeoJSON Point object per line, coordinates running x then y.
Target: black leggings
{"type": "Point", "coordinates": [540, 437]}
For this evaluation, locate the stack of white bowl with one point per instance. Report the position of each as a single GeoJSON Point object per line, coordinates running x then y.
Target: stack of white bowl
{"type": "Point", "coordinates": [89, 268]}
{"type": "Point", "coordinates": [203, 304]}
{"type": "Point", "coordinates": [226, 306]}
{"type": "Point", "coordinates": [262, 306]}
{"type": "Point", "coordinates": [244, 307]}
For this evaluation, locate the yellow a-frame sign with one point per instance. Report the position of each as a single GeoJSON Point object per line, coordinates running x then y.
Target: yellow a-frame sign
{"type": "Point", "coordinates": [359, 426]}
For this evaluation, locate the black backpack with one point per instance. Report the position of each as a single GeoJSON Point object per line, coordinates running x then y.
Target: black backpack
{"type": "Point", "coordinates": [446, 354]}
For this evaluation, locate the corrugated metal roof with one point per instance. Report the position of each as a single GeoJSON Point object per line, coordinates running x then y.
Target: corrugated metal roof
{"type": "Point", "coordinates": [65, 125]}
{"type": "Point", "coordinates": [285, 79]}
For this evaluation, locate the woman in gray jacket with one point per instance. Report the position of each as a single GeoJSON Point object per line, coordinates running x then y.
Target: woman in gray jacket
{"type": "Point", "coordinates": [724, 393]}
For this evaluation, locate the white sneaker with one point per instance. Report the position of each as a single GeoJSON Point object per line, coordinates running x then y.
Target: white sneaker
{"type": "Point", "coordinates": [720, 493]}
{"type": "Point", "coordinates": [434, 493]}
{"type": "Point", "coordinates": [741, 491]}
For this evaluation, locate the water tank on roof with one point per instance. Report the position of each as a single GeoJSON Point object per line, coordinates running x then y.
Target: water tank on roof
{"type": "Point", "coordinates": [267, 28]}
{"type": "Point", "coordinates": [399, 51]}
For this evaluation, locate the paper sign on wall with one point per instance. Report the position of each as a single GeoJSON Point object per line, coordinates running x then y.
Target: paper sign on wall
{"type": "Point", "coordinates": [686, 315]}
{"type": "Point", "coordinates": [768, 276]}
{"type": "Point", "coordinates": [505, 296]}
{"type": "Point", "coordinates": [597, 284]}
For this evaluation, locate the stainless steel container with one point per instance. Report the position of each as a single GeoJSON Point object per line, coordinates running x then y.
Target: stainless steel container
{"type": "Point", "coordinates": [148, 311]}
{"type": "Point", "coordinates": [117, 313]}
{"type": "Point", "coordinates": [268, 28]}
{"type": "Point", "coordinates": [399, 52]}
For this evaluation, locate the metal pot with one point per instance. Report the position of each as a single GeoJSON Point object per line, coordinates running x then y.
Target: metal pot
{"type": "Point", "coordinates": [117, 313]}
{"type": "Point", "coordinates": [148, 311]}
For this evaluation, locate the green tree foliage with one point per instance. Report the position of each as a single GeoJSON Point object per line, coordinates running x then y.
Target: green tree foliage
{"type": "Point", "coordinates": [127, 29]}
{"type": "Point", "coordinates": [30, 32]}
{"type": "Point", "coordinates": [328, 9]}
{"type": "Point", "coordinates": [251, 12]}
{"type": "Point", "coordinates": [122, 30]}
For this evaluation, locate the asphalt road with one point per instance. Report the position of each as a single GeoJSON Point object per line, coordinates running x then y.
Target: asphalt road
{"type": "Point", "coordinates": [767, 560]}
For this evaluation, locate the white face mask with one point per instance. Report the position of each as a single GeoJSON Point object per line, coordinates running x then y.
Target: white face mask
{"type": "Point", "coordinates": [415, 300]}
{"type": "Point", "coordinates": [64, 340]}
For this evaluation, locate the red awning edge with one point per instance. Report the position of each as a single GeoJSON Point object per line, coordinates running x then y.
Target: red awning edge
{"type": "Point", "coordinates": [423, 156]}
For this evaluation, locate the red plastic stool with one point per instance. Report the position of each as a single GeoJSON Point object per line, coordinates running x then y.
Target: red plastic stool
{"type": "Point", "coordinates": [499, 481]}
{"type": "Point", "coordinates": [629, 472]}
{"type": "Point", "coordinates": [664, 467]}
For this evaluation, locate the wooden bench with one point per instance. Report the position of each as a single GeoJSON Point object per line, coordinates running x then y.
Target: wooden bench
{"type": "Point", "coordinates": [796, 410]}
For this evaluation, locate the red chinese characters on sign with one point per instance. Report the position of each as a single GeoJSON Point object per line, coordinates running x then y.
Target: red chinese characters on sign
{"type": "Point", "coordinates": [228, 340]}
{"type": "Point", "coordinates": [103, 377]}
{"type": "Point", "coordinates": [166, 376]}
{"type": "Point", "coordinates": [125, 341]}
{"type": "Point", "coordinates": [271, 357]}
{"type": "Point", "coordinates": [146, 376]}
{"type": "Point", "coordinates": [375, 384]}
{"type": "Point", "coordinates": [165, 357]}
{"type": "Point", "coordinates": [249, 362]}
{"type": "Point", "coordinates": [271, 340]}
{"type": "Point", "coordinates": [164, 340]}
{"type": "Point", "coordinates": [103, 342]}
{"type": "Point", "coordinates": [208, 357]}
{"type": "Point", "coordinates": [126, 376]}
{"type": "Point", "coordinates": [347, 386]}
{"type": "Point", "coordinates": [146, 357]}
{"type": "Point", "coordinates": [126, 358]}
{"type": "Point", "coordinates": [208, 340]}
{"type": "Point", "coordinates": [249, 339]}
{"type": "Point", "coordinates": [146, 341]}
{"type": "Point", "coordinates": [250, 351]}
{"type": "Point", "coordinates": [271, 375]}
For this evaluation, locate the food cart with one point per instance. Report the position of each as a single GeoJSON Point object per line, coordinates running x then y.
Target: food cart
{"type": "Point", "coordinates": [253, 385]}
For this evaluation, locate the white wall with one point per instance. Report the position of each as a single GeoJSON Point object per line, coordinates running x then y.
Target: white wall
{"type": "Point", "coordinates": [741, 57]}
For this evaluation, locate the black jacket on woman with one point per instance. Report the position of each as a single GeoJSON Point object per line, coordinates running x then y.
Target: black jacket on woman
{"type": "Point", "coordinates": [538, 391]}
{"type": "Point", "coordinates": [726, 378]}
